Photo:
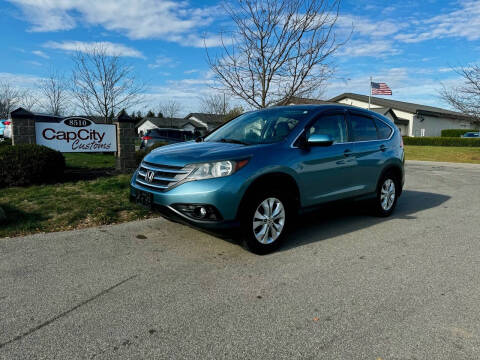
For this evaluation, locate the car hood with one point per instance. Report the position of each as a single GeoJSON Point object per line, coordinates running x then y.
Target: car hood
{"type": "Point", "coordinates": [190, 152]}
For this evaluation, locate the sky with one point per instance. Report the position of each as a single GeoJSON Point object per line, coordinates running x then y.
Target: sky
{"type": "Point", "coordinates": [413, 46]}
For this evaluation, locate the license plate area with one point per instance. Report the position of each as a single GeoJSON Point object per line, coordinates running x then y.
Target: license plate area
{"type": "Point", "coordinates": [144, 198]}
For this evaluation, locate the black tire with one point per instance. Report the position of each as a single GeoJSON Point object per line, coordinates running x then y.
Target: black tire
{"type": "Point", "coordinates": [380, 207]}
{"type": "Point", "coordinates": [248, 211]}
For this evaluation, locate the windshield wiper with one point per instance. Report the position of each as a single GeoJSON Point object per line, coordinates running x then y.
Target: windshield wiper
{"type": "Point", "coordinates": [234, 141]}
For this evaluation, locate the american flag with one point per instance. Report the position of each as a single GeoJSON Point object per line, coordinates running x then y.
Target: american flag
{"type": "Point", "coordinates": [380, 89]}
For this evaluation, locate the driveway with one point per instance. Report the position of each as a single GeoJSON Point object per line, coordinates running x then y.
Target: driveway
{"type": "Point", "coordinates": [346, 286]}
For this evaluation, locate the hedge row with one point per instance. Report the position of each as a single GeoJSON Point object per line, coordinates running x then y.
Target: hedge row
{"type": "Point", "coordinates": [455, 132]}
{"type": "Point", "coordinates": [442, 141]}
{"type": "Point", "coordinates": [28, 164]}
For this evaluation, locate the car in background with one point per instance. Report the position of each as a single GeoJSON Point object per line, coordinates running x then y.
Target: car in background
{"type": "Point", "coordinates": [5, 128]}
{"type": "Point", "coordinates": [169, 136]}
{"type": "Point", "coordinates": [264, 168]}
{"type": "Point", "coordinates": [471, 134]}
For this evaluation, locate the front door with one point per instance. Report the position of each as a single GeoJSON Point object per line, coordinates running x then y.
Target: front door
{"type": "Point", "coordinates": [325, 171]}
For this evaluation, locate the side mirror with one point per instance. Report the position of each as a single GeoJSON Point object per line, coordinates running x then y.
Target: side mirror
{"type": "Point", "coordinates": [319, 140]}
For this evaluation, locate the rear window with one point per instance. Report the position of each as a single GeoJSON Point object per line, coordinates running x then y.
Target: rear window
{"type": "Point", "coordinates": [384, 131]}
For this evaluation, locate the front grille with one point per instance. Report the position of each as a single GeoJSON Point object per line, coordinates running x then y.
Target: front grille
{"type": "Point", "coordinates": [165, 176]}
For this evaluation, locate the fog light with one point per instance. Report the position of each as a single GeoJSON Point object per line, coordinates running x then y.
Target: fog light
{"type": "Point", "coordinates": [202, 212]}
{"type": "Point", "coordinates": [199, 211]}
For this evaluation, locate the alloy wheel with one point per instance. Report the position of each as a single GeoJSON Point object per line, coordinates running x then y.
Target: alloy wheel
{"type": "Point", "coordinates": [269, 220]}
{"type": "Point", "coordinates": [387, 194]}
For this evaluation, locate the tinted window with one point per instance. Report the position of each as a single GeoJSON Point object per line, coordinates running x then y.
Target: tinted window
{"type": "Point", "coordinates": [363, 128]}
{"type": "Point", "coordinates": [384, 130]}
{"type": "Point", "coordinates": [333, 125]}
{"type": "Point", "coordinates": [260, 127]}
{"type": "Point", "coordinates": [174, 134]}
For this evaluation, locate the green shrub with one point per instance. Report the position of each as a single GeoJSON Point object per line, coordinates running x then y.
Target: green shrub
{"type": "Point", "coordinates": [442, 141]}
{"type": "Point", "coordinates": [140, 154]}
{"type": "Point", "coordinates": [455, 132]}
{"type": "Point", "coordinates": [29, 164]}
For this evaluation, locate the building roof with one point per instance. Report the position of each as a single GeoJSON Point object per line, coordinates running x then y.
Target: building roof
{"type": "Point", "coordinates": [162, 122]}
{"type": "Point", "coordinates": [212, 120]}
{"type": "Point", "coordinates": [403, 106]}
{"type": "Point", "coordinates": [195, 123]}
{"type": "Point", "coordinates": [294, 100]}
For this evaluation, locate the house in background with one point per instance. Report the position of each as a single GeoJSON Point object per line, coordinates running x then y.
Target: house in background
{"type": "Point", "coordinates": [203, 122]}
{"type": "Point", "coordinates": [198, 123]}
{"type": "Point", "coordinates": [412, 119]}
{"type": "Point", "coordinates": [149, 123]}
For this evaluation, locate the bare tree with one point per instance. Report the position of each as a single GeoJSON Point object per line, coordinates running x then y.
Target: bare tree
{"type": "Point", "coordinates": [215, 104]}
{"type": "Point", "coordinates": [29, 99]}
{"type": "Point", "coordinates": [10, 99]}
{"type": "Point", "coordinates": [280, 49]}
{"type": "Point", "coordinates": [103, 84]}
{"type": "Point", "coordinates": [169, 109]}
{"type": "Point", "coordinates": [465, 97]}
{"type": "Point", "coordinates": [54, 89]}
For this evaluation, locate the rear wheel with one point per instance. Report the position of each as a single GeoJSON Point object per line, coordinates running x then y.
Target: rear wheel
{"type": "Point", "coordinates": [387, 194]}
{"type": "Point", "coordinates": [265, 219]}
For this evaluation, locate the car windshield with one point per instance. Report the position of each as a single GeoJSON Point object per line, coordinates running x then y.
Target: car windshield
{"type": "Point", "coordinates": [259, 127]}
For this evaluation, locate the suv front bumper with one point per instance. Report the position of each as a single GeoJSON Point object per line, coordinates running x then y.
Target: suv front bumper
{"type": "Point", "coordinates": [223, 194]}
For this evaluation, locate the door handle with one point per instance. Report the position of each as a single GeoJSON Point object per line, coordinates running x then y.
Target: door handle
{"type": "Point", "coordinates": [347, 153]}
{"type": "Point", "coordinates": [383, 147]}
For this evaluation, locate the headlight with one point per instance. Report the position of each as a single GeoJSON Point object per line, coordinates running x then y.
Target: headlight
{"type": "Point", "coordinates": [215, 169]}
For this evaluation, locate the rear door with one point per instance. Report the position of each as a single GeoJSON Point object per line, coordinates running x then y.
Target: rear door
{"type": "Point", "coordinates": [370, 146]}
{"type": "Point", "coordinates": [325, 171]}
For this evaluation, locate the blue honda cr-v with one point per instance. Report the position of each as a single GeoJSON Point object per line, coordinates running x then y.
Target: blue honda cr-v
{"type": "Point", "coordinates": [261, 169]}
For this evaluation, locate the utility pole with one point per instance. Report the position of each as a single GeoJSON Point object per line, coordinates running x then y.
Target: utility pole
{"type": "Point", "coordinates": [370, 94]}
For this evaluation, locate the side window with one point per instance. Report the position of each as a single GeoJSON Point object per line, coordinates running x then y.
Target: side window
{"type": "Point", "coordinates": [384, 131]}
{"type": "Point", "coordinates": [333, 125]}
{"type": "Point", "coordinates": [162, 133]}
{"type": "Point", "coordinates": [174, 134]}
{"type": "Point", "coordinates": [363, 128]}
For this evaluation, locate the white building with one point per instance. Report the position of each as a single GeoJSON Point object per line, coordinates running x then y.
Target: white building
{"type": "Point", "coordinates": [196, 122]}
{"type": "Point", "coordinates": [412, 119]}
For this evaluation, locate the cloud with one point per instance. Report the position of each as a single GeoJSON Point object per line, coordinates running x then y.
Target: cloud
{"type": "Point", "coordinates": [367, 27]}
{"type": "Point", "coordinates": [113, 49]}
{"type": "Point", "coordinates": [163, 62]}
{"type": "Point", "coordinates": [20, 80]}
{"type": "Point", "coordinates": [187, 92]}
{"type": "Point", "coordinates": [33, 62]}
{"type": "Point", "coordinates": [370, 48]}
{"type": "Point", "coordinates": [461, 23]}
{"type": "Point", "coordinates": [41, 54]}
{"type": "Point", "coordinates": [140, 19]}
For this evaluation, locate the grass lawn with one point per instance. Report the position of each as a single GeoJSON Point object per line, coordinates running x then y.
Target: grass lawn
{"type": "Point", "coordinates": [46, 208]}
{"type": "Point", "coordinates": [443, 153]}
{"type": "Point", "coordinates": [89, 160]}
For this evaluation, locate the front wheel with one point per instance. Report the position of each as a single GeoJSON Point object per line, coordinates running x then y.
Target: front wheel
{"type": "Point", "coordinates": [264, 221]}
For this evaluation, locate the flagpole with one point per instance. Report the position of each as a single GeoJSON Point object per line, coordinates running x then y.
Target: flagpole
{"type": "Point", "coordinates": [370, 94]}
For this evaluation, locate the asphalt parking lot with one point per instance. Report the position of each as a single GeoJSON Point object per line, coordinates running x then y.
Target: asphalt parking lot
{"type": "Point", "coordinates": [346, 286]}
